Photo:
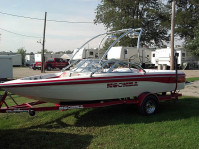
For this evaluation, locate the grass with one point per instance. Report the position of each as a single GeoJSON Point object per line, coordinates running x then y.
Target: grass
{"type": "Point", "coordinates": [174, 126]}
{"type": "Point", "coordinates": [192, 79]}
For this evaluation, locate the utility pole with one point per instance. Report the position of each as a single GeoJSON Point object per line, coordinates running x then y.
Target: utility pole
{"type": "Point", "coordinates": [43, 46]}
{"type": "Point", "coordinates": [172, 36]}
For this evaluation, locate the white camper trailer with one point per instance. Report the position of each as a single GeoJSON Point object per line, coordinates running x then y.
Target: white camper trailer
{"type": "Point", "coordinates": [29, 59]}
{"type": "Point", "coordinates": [6, 70]}
{"type": "Point", "coordinates": [38, 57]}
{"type": "Point", "coordinates": [161, 57]}
{"type": "Point", "coordinates": [85, 53]}
{"type": "Point", "coordinates": [131, 54]}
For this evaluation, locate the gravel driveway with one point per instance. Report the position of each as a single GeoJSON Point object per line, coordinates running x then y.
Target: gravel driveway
{"type": "Point", "coordinates": [191, 73]}
{"type": "Point", "coordinates": [191, 89]}
{"type": "Point", "coordinates": [20, 72]}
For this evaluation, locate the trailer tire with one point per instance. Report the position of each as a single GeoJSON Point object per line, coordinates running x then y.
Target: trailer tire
{"type": "Point", "coordinates": [49, 68]}
{"type": "Point", "coordinates": [31, 112]}
{"type": "Point", "coordinates": [149, 106]}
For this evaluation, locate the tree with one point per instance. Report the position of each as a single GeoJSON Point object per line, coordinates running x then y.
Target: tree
{"type": "Point", "coordinates": [45, 51]}
{"type": "Point", "coordinates": [187, 18]}
{"type": "Point", "coordinates": [22, 51]}
{"type": "Point", "coordinates": [151, 15]}
{"type": "Point", "coordinates": [69, 52]}
{"type": "Point", "coordinates": [187, 23]}
{"type": "Point", "coordinates": [59, 52]}
{"type": "Point", "coordinates": [193, 45]}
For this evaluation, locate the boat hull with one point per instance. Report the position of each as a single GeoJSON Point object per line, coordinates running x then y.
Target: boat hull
{"type": "Point", "coordinates": [96, 88]}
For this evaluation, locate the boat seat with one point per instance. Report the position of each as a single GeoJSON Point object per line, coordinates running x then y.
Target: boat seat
{"type": "Point", "coordinates": [118, 70]}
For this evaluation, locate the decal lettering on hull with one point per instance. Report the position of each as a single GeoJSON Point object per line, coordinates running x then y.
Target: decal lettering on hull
{"type": "Point", "coordinates": [122, 84]}
{"type": "Point", "coordinates": [16, 111]}
{"type": "Point", "coordinates": [71, 107]}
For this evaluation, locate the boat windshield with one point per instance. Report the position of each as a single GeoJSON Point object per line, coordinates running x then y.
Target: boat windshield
{"type": "Point", "coordinates": [109, 66]}
{"type": "Point", "coordinates": [87, 65]}
{"type": "Point", "coordinates": [119, 66]}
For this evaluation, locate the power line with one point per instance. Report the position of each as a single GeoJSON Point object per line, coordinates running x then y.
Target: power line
{"type": "Point", "coordinates": [14, 15]}
{"type": "Point", "coordinates": [67, 21]}
{"type": "Point", "coordinates": [20, 16]}
{"type": "Point", "coordinates": [19, 34]}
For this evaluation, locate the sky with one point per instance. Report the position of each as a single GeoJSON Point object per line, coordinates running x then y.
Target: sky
{"type": "Point", "coordinates": [59, 36]}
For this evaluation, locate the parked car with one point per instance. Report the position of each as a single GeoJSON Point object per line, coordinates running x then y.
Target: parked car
{"type": "Point", "coordinates": [51, 63]}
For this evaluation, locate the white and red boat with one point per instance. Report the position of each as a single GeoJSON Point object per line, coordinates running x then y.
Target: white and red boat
{"type": "Point", "coordinates": [98, 80]}
{"type": "Point", "coordinates": [83, 84]}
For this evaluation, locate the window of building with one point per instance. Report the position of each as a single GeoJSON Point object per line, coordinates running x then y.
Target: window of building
{"type": "Point", "coordinates": [177, 54]}
{"type": "Point", "coordinates": [125, 51]}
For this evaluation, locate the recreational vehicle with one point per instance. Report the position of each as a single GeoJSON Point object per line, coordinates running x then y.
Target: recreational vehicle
{"type": "Point", "coordinates": [131, 54]}
{"type": "Point", "coordinates": [85, 54]}
{"type": "Point", "coordinates": [161, 57]}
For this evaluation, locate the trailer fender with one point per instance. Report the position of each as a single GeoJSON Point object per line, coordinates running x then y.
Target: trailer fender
{"type": "Point", "coordinates": [148, 103]}
{"type": "Point", "coordinates": [142, 96]}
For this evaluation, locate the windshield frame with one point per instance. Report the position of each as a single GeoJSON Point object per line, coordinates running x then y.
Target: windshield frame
{"type": "Point", "coordinates": [93, 66]}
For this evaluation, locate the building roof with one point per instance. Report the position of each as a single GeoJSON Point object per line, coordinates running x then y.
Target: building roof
{"type": "Point", "coordinates": [66, 56]}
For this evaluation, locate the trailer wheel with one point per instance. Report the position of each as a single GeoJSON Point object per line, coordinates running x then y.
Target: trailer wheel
{"type": "Point", "coordinates": [31, 112]}
{"type": "Point", "coordinates": [149, 105]}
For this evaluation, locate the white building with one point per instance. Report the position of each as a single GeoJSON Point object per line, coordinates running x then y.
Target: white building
{"type": "Point", "coordinates": [66, 56]}
{"type": "Point", "coordinates": [6, 69]}
{"type": "Point", "coordinates": [16, 60]}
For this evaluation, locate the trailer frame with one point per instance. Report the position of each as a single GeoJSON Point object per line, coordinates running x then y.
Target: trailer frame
{"type": "Point", "coordinates": [31, 108]}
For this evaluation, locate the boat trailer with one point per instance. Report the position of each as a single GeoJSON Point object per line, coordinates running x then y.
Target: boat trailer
{"type": "Point", "coordinates": [148, 104]}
